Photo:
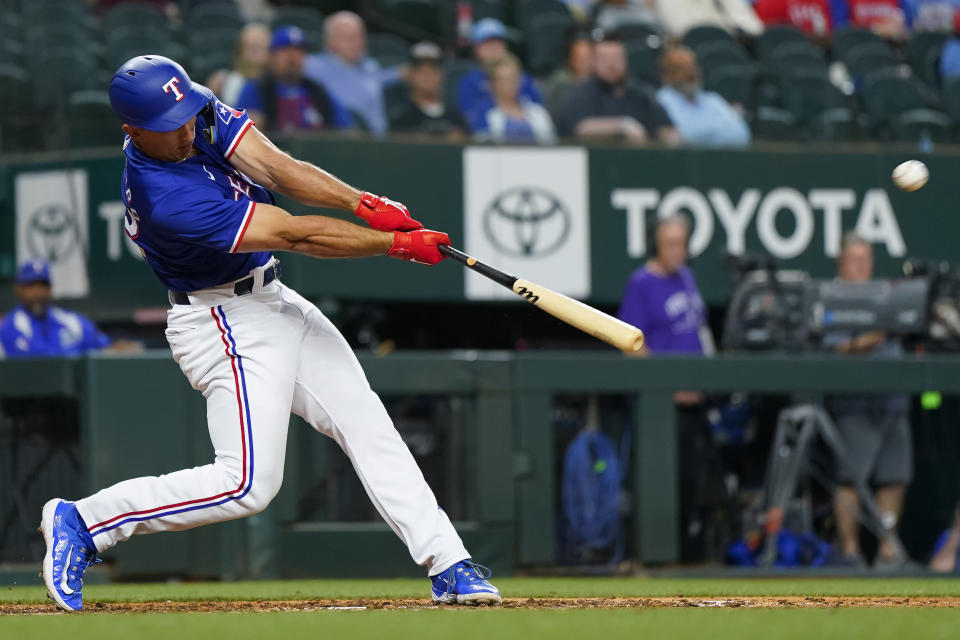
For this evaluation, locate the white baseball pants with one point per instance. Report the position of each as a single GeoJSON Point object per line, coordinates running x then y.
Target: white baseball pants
{"type": "Point", "coordinates": [255, 358]}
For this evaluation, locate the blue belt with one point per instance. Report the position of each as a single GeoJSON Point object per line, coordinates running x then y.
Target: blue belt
{"type": "Point", "coordinates": [241, 287]}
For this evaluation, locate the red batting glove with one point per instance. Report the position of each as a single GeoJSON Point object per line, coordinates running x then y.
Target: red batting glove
{"type": "Point", "coordinates": [383, 214]}
{"type": "Point", "coordinates": [419, 245]}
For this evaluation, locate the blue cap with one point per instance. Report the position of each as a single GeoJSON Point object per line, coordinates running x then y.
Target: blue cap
{"type": "Point", "coordinates": [287, 37]}
{"type": "Point", "coordinates": [33, 271]}
{"type": "Point", "coordinates": [488, 29]}
{"type": "Point", "coordinates": [155, 93]}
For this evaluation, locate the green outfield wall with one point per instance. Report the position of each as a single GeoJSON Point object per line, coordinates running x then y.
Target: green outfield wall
{"type": "Point", "coordinates": [570, 216]}
{"type": "Point", "coordinates": [138, 417]}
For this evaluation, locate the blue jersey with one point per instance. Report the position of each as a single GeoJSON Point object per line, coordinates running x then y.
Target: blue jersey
{"type": "Point", "coordinates": [58, 333]}
{"type": "Point", "coordinates": [189, 217]}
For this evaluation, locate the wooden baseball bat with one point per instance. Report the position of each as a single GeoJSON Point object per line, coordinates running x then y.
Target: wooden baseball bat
{"type": "Point", "coordinates": [584, 317]}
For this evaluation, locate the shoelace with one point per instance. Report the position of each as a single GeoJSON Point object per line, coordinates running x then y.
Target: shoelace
{"type": "Point", "coordinates": [481, 571]}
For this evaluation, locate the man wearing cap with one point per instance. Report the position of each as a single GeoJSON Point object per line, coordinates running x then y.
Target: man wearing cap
{"type": "Point", "coordinates": [355, 79]}
{"type": "Point", "coordinates": [197, 187]}
{"type": "Point", "coordinates": [489, 39]}
{"type": "Point", "coordinates": [283, 100]}
{"type": "Point", "coordinates": [36, 328]}
{"type": "Point", "coordinates": [425, 111]}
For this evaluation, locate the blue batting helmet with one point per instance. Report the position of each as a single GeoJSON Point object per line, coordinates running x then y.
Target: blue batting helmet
{"type": "Point", "coordinates": [155, 93]}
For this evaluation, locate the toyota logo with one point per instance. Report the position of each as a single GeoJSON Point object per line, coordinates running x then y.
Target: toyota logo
{"type": "Point", "coordinates": [52, 233]}
{"type": "Point", "coordinates": [527, 222]}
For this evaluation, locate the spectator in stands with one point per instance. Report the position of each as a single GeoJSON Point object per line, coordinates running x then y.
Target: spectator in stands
{"type": "Point", "coordinates": [610, 105]}
{"type": "Point", "coordinates": [250, 56]}
{"type": "Point", "coordinates": [576, 70]}
{"type": "Point", "coordinates": [950, 54]}
{"type": "Point", "coordinates": [736, 16]}
{"type": "Point", "coordinates": [355, 80]}
{"type": "Point", "coordinates": [930, 15]}
{"type": "Point", "coordinates": [662, 299]}
{"type": "Point", "coordinates": [425, 111]}
{"type": "Point", "coordinates": [875, 428]}
{"type": "Point", "coordinates": [611, 15]}
{"type": "Point", "coordinates": [473, 93]}
{"type": "Point", "coordinates": [37, 328]}
{"type": "Point", "coordinates": [282, 100]}
{"type": "Point", "coordinates": [813, 17]}
{"type": "Point", "coordinates": [886, 18]}
{"type": "Point", "coordinates": [702, 117]}
{"type": "Point", "coordinates": [513, 117]}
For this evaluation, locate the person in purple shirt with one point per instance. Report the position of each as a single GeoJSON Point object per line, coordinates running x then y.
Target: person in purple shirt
{"type": "Point", "coordinates": [662, 299]}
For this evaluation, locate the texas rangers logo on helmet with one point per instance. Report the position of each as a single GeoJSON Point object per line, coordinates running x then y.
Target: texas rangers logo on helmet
{"type": "Point", "coordinates": [171, 85]}
{"type": "Point", "coordinates": [226, 112]}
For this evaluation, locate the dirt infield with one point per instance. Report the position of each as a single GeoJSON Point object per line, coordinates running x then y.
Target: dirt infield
{"type": "Point", "coordinates": [806, 602]}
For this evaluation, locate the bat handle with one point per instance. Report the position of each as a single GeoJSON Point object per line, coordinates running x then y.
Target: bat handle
{"type": "Point", "coordinates": [451, 252]}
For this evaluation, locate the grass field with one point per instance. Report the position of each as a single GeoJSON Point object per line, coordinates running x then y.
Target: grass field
{"type": "Point", "coordinates": [561, 608]}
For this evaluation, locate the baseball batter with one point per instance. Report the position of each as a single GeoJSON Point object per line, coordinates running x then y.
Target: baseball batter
{"type": "Point", "coordinates": [198, 206]}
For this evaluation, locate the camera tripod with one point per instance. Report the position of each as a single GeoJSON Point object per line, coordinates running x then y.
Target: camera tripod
{"type": "Point", "coordinates": [798, 427]}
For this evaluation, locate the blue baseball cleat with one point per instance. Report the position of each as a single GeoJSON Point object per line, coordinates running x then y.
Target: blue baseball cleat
{"type": "Point", "coordinates": [70, 550]}
{"type": "Point", "coordinates": [465, 583]}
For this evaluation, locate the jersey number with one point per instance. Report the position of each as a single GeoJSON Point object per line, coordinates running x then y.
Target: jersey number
{"type": "Point", "coordinates": [131, 221]}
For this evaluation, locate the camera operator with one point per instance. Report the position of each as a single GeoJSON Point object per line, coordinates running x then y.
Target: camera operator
{"type": "Point", "coordinates": [875, 429]}
{"type": "Point", "coordinates": [662, 298]}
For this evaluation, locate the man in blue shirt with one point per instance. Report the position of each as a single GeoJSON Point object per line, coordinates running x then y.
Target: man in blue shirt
{"type": "Point", "coordinates": [283, 100]}
{"type": "Point", "coordinates": [489, 39]}
{"type": "Point", "coordinates": [702, 117]}
{"type": "Point", "coordinates": [356, 80]}
{"type": "Point", "coordinates": [36, 328]}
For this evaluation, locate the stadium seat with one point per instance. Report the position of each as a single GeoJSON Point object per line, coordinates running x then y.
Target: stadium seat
{"type": "Point", "coordinates": [716, 54]}
{"type": "Point", "coordinates": [387, 48]}
{"type": "Point", "coordinates": [527, 10]}
{"type": "Point", "coordinates": [771, 123]}
{"type": "Point", "coordinates": [950, 95]}
{"type": "Point", "coordinates": [807, 94]}
{"type": "Point", "coordinates": [835, 125]}
{"type": "Point", "coordinates": [930, 72]}
{"type": "Point", "coordinates": [917, 124]}
{"type": "Point", "coordinates": [919, 47]}
{"type": "Point", "coordinates": [791, 57]}
{"type": "Point", "coordinates": [91, 120]}
{"type": "Point", "coordinates": [212, 39]}
{"type": "Point", "coordinates": [65, 70]}
{"type": "Point", "coordinates": [306, 18]}
{"type": "Point", "coordinates": [547, 39]}
{"type": "Point", "coordinates": [844, 40]}
{"type": "Point", "coordinates": [776, 35]}
{"type": "Point", "coordinates": [201, 66]}
{"type": "Point", "coordinates": [867, 57]}
{"type": "Point", "coordinates": [818, 106]}
{"type": "Point", "coordinates": [698, 36]}
{"type": "Point", "coordinates": [486, 9]}
{"type": "Point", "coordinates": [642, 63]}
{"type": "Point", "coordinates": [143, 17]}
{"type": "Point", "coordinates": [214, 15]}
{"type": "Point", "coordinates": [735, 83]}
{"type": "Point", "coordinates": [422, 16]}
{"type": "Point", "coordinates": [887, 94]}
{"type": "Point", "coordinates": [42, 36]}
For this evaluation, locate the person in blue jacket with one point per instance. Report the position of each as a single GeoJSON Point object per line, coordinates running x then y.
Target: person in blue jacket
{"type": "Point", "coordinates": [36, 328]}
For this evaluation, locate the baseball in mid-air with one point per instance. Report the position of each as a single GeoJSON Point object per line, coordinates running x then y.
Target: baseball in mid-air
{"type": "Point", "coordinates": [911, 175]}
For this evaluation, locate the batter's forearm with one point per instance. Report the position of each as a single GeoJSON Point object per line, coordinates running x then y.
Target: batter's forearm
{"type": "Point", "coordinates": [311, 185]}
{"type": "Point", "coordinates": [323, 237]}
